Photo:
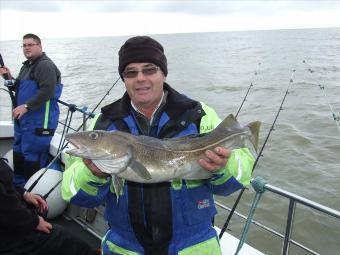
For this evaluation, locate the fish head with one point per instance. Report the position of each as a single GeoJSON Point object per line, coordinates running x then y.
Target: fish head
{"type": "Point", "coordinates": [97, 144]}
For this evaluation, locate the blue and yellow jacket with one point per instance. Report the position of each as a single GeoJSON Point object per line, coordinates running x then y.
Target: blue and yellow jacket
{"type": "Point", "coordinates": [164, 218]}
{"type": "Point", "coordinates": [38, 85]}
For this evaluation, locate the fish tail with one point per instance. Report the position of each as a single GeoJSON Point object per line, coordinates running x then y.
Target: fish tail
{"type": "Point", "coordinates": [255, 133]}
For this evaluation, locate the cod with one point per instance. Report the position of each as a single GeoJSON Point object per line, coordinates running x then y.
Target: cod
{"type": "Point", "coordinates": [146, 159]}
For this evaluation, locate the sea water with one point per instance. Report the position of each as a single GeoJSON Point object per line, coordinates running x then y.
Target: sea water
{"type": "Point", "coordinates": [302, 154]}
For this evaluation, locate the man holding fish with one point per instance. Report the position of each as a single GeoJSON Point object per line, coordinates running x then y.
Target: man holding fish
{"type": "Point", "coordinates": [158, 192]}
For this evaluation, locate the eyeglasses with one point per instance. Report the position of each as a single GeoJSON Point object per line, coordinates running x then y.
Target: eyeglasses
{"type": "Point", "coordinates": [28, 45]}
{"type": "Point", "coordinates": [149, 70]}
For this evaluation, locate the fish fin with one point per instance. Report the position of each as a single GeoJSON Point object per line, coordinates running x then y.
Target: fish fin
{"type": "Point", "coordinates": [139, 169]}
{"type": "Point", "coordinates": [229, 123]}
{"type": "Point", "coordinates": [115, 166]}
{"type": "Point", "coordinates": [118, 184]}
{"type": "Point", "coordinates": [255, 132]}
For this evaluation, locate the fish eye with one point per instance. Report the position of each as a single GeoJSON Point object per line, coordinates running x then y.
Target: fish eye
{"type": "Point", "coordinates": [93, 135]}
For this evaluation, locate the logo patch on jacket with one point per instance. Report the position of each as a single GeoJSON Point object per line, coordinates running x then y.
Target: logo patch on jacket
{"type": "Point", "coordinates": [206, 128]}
{"type": "Point", "coordinates": [201, 204]}
{"type": "Point", "coordinates": [44, 131]}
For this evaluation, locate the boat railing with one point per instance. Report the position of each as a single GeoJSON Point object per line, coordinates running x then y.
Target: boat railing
{"type": "Point", "coordinates": [293, 201]}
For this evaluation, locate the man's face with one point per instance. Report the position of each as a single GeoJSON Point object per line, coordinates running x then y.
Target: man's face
{"type": "Point", "coordinates": [146, 88]}
{"type": "Point", "coordinates": [31, 48]}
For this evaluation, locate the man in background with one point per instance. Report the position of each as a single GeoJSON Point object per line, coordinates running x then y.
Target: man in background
{"type": "Point", "coordinates": [36, 111]}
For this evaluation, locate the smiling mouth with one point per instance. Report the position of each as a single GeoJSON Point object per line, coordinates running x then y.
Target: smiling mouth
{"type": "Point", "coordinates": [143, 89]}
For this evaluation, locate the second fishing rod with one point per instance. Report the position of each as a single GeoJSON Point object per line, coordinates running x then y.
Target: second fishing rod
{"type": "Point", "coordinates": [260, 154]}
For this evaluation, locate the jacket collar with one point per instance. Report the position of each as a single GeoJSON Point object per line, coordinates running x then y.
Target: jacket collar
{"type": "Point", "coordinates": [27, 62]}
{"type": "Point", "coordinates": [176, 104]}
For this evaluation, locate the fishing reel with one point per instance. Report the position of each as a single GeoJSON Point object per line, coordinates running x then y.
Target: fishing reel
{"type": "Point", "coordinates": [9, 83]}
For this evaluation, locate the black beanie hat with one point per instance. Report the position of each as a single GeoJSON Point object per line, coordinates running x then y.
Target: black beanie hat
{"type": "Point", "coordinates": [142, 49]}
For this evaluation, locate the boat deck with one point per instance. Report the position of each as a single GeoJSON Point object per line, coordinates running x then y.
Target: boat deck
{"type": "Point", "coordinates": [78, 230]}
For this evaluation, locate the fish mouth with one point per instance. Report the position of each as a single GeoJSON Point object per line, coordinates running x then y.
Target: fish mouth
{"type": "Point", "coordinates": [74, 149]}
{"type": "Point", "coordinates": [78, 149]}
{"type": "Point", "coordinates": [72, 142]}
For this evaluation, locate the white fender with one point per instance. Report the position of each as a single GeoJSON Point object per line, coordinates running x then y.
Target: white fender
{"type": "Point", "coordinates": [6, 129]}
{"type": "Point", "coordinates": [54, 145]}
{"type": "Point", "coordinates": [56, 205]}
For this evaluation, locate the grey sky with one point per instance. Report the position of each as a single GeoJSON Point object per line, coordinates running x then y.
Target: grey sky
{"type": "Point", "coordinates": [198, 7]}
{"type": "Point", "coordinates": [203, 14]}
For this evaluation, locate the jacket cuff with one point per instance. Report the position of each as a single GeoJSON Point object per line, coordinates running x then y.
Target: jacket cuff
{"type": "Point", "coordinates": [239, 165]}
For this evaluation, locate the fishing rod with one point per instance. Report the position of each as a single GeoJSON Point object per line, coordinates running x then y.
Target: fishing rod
{"type": "Point", "coordinates": [63, 147]}
{"type": "Point", "coordinates": [74, 108]}
{"type": "Point", "coordinates": [225, 226]}
{"type": "Point", "coordinates": [335, 116]}
{"type": "Point", "coordinates": [107, 93]}
{"type": "Point", "coordinates": [250, 86]}
{"type": "Point", "coordinates": [2, 65]}
{"type": "Point", "coordinates": [246, 95]}
{"type": "Point", "coordinates": [9, 83]}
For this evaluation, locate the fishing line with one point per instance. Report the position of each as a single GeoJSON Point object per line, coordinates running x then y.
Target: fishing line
{"type": "Point", "coordinates": [335, 116]}
{"type": "Point", "coordinates": [67, 125]}
{"type": "Point", "coordinates": [250, 86]}
{"type": "Point", "coordinates": [63, 147]}
{"type": "Point", "coordinates": [258, 156]}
